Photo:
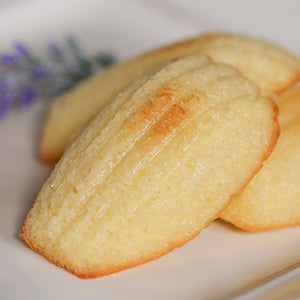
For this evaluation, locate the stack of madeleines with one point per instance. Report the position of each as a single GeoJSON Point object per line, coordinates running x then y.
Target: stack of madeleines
{"type": "Point", "coordinates": [152, 150]}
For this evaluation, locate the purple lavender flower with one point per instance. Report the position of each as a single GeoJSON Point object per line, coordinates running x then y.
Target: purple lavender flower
{"type": "Point", "coordinates": [9, 59]}
{"type": "Point", "coordinates": [22, 49]}
{"type": "Point", "coordinates": [5, 100]}
{"type": "Point", "coordinates": [40, 71]}
{"type": "Point", "coordinates": [27, 96]}
{"type": "Point", "coordinates": [25, 77]}
{"type": "Point", "coordinates": [55, 51]}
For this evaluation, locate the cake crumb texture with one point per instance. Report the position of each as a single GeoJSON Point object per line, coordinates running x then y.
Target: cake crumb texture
{"type": "Point", "coordinates": [272, 199]}
{"type": "Point", "coordinates": [153, 168]}
{"type": "Point", "coordinates": [271, 67]}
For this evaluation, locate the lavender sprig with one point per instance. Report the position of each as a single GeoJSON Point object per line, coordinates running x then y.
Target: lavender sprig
{"type": "Point", "coordinates": [26, 77]}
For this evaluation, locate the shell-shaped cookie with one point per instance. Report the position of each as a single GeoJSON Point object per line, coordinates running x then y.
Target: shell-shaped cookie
{"type": "Point", "coordinates": [272, 198]}
{"type": "Point", "coordinates": [271, 67]}
{"type": "Point", "coordinates": [149, 173]}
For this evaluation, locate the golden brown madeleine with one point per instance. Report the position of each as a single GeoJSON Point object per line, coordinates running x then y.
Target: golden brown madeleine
{"type": "Point", "coordinates": [148, 178]}
{"type": "Point", "coordinates": [271, 67]}
{"type": "Point", "coordinates": [272, 198]}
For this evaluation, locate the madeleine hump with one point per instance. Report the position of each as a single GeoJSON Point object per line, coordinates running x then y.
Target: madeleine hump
{"type": "Point", "coordinates": [155, 167]}
{"type": "Point", "coordinates": [272, 68]}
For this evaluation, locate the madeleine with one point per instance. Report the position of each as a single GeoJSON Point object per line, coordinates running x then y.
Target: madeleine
{"type": "Point", "coordinates": [269, 66]}
{"type": "Point", "coordinates": [272, 199]}
{"type": "Point", "coordinates": [153, 169]}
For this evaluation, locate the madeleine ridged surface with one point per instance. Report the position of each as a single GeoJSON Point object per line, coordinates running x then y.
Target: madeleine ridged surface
{"type": "Point", "coordinates": [271, 67]}
{"type": "Point", "coordinates": [149, 173]}
{"type": "Point", "coordinates": [272, 198]}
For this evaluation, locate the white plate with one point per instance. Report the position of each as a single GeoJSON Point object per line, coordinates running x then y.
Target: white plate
{"type": "Point", "coordinates": [220, 259]}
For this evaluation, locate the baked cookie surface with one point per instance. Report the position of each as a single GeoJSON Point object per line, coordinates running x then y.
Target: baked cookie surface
{"type": "Point", "coordinates": [269, 66]}
{"type": "Point", "coordinates": [153, 169]}
{"type": "Point", "coordinates": [272, 198]}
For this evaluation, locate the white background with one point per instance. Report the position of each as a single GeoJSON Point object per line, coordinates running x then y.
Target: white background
{"type": "Point", "coordinates": [221, 258]}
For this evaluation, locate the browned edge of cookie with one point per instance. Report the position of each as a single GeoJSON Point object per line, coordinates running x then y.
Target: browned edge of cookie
{"type": "Point", "coordinates": [97, 273]}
